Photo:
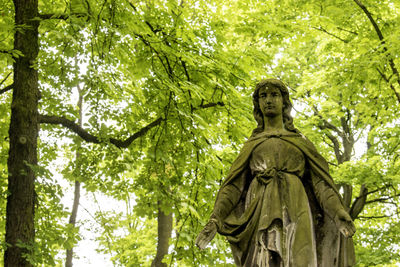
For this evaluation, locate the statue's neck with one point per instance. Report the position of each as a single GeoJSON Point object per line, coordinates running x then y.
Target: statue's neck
{"type": "Point", "coordinates": [273, 123]}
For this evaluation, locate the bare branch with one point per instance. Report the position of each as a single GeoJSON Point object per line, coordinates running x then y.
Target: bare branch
{"type": "Point", "coordinates": [329, 144]}
{"type": "Point", "coordinates": [209, 105]}
{"type": "Point", "coordinates": [345, 125]}
{"type": "Point", "coordinates": [5, 51]}
{"type": "Point", "coordinates": [359, 202]}
{"type": "Point", "coordinates": [70, 125]}
{"type": "Point", "coordinates": [347, 138]}
{"type": "Point", "coordinates": [391, 85]}
{"type": "Point", "coordinates": [374, 217]}
{"type": "Point", "coordinates": [332, 164]}
{"type": "Point", "coordinates": [349, 31]}
{"type": "Point", "coordinates": [336, 147]}
{"type": "Point", "coordinates": [347, 194]}
{"type": "Point", "coordinates": [331, 34]}
{"type": "Point", "coordinates": [93, 139]}
{"type": "Point", "coordinates": [376, 190]}
{"type": "Point", "coordinates": [133, 7]}
{"type": "Point", "coordinates": [345, 135]}
{"type": "Point", "coordinates": [382, 199]}
{"type": "Point", "coordinates": [7, 88]}
{"type": "Point", "coordinates": [185, 69]}
{"type": "Point", "coordinates": [5, 78]}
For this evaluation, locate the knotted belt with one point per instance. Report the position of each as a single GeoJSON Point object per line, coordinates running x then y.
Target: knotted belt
{"type": "Point", "coordinates": [266, 176]}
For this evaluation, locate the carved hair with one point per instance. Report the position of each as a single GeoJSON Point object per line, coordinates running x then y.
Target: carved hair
{"type": "Point", "coordinates": [287, 105]}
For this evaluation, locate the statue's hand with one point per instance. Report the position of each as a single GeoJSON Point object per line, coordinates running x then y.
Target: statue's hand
{"type": "Point", "coordinates": [345, 223]}
{"type": "Point", "coordinates": [207, 234]}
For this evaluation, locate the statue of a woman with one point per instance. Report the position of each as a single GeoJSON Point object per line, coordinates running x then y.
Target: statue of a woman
{"type": "Point", "coordinates": [278, 205]}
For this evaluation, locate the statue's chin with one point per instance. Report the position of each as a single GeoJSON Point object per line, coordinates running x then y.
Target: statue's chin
{"type": "Point", "coordinates": [270, 113]}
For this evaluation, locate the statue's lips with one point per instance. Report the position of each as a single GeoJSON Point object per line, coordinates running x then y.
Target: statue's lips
{"type": "Point", "coordinates": [269, 107]}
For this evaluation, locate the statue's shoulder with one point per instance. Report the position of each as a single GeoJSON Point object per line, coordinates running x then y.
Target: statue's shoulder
{"type": "Point", "coordinates": [304, 140]}
{"type": "Point", "coordinates": [305, 145]}
{"type": "Point", "coordinates": [311, 151]}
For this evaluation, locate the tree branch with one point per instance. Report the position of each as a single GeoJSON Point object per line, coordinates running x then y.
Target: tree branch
{"type": "Point", "coordinates": [352, 32]}
{"type": "Point", "coordinates": [61, 16]}
{"type": "Point", "coordinates": [347, 138]}
{"type": "Point", "coordinates": [371, 19]}
{"type": "Point", "coordinates": [335, 143]}
{"type": "Point", "coordinates": [347, 194]}
{"type": "Point", "coordinates": [7, 88]}
{"type": "Point", "coordinates": [146, 22]}
{"type": "Point", "coordinates": [93, 139]}
{"type": "Point", "coordinates": [5, 78]}
{"type": "Point", "coordinates": [391, 85]}
{"type": "Point", "coordinates": [327, 143]}
{"type": "Point", "coordinates": [336, 147]}
{"type": "Point", "coordinates": [185, 69]}
{"type": "Point", "coordinates": [88, 137]}
{"type": "Point", "coordinates": [331, 34]}
{"type": "Point", "coordinates": [374, 217]}
{"type": "Point", "coordinates": [359, 202]}
{"type": "Point", "coordinates": [382, 39]}
{"type": "Point", "coordinates": [326, 124]}
{"type": "Point", "coordinates": [5, 51]}
{"type": "Point", "coordinates": [345, 124]}
{"type": "Point", "coordinates": [382, 199]}
{"type": "Point", "coordinates": [376, 190]}
{"type": "Point", "coordinates": [209, 105]}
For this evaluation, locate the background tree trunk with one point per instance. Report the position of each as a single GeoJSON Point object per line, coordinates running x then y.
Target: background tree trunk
{"type": "Point", "coordinates": [23, 133]}
{"type": "Point", "coordinates": [72, 218]}
{"type": "Point", "coordinates": [77, 189]}
{"type": "Point", "coordinates": [164, 234]}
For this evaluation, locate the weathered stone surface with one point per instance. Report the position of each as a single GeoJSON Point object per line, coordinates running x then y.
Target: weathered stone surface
{"type": "Point", "coordinates": [278, 205]}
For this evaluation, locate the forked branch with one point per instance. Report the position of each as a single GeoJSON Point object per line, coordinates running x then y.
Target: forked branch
{"type": "Point", "coordinates": [88, 137]}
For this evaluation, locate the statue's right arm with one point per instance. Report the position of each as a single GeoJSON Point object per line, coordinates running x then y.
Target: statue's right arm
{"type": "Point", "coordinates": [227, 198]}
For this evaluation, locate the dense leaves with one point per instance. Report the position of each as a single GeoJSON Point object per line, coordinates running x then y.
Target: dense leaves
{"type": "Point", "coordinates": [193, 65]}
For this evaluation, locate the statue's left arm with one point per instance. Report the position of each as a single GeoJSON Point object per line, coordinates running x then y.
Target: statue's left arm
{"type": "Point", "coordinates": [330, 202]}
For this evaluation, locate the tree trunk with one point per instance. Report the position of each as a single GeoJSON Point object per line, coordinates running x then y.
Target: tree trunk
{"type": "Point", "coordinates": [72, 218]}
{"type": "Point", "coordinates": [23, 134]}
{"type": "Point", "coordinates": [164, 234]}
{"type": "Point", "coordinates": [77, 192]}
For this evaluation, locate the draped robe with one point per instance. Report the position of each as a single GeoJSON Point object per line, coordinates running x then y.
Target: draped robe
{"type": "Point", "coordinates": [279, 202]}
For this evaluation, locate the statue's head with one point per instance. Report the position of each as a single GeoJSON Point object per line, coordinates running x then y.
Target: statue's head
{"type": "Point", "coordinates": [286, 107]}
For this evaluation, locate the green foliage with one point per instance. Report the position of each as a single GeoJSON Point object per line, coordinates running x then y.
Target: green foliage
{"type": "Point", "coordinates": [194, 64]}
{"type": "Point", "coordinates": [136, 246]}
{"type": "Point", "coordinates": [5, 100]}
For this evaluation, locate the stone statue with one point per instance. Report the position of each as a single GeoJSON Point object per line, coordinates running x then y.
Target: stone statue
{"type": "Point", "coordinates": [278, 205]}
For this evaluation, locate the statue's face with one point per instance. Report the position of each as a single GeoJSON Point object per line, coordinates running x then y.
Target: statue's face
{"type": "Point", "coordinates": [270, 101]}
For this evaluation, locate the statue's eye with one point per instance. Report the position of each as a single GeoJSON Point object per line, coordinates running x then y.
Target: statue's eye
{"type": "Point", "coordinates": [263, 95]}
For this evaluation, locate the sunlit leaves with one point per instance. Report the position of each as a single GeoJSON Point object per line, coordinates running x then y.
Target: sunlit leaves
{"type": "Point", "coordinates": [194, 64]}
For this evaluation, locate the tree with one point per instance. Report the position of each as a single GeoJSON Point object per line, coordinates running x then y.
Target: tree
{"type": "Point", "coordinates": [343, 53]}
{"type": "Point", "coordinates": [176, 81]}
{"type": "Point", "coordinates": [167, 104]}
{"type": "Point", "coordinates": [23, 132]}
